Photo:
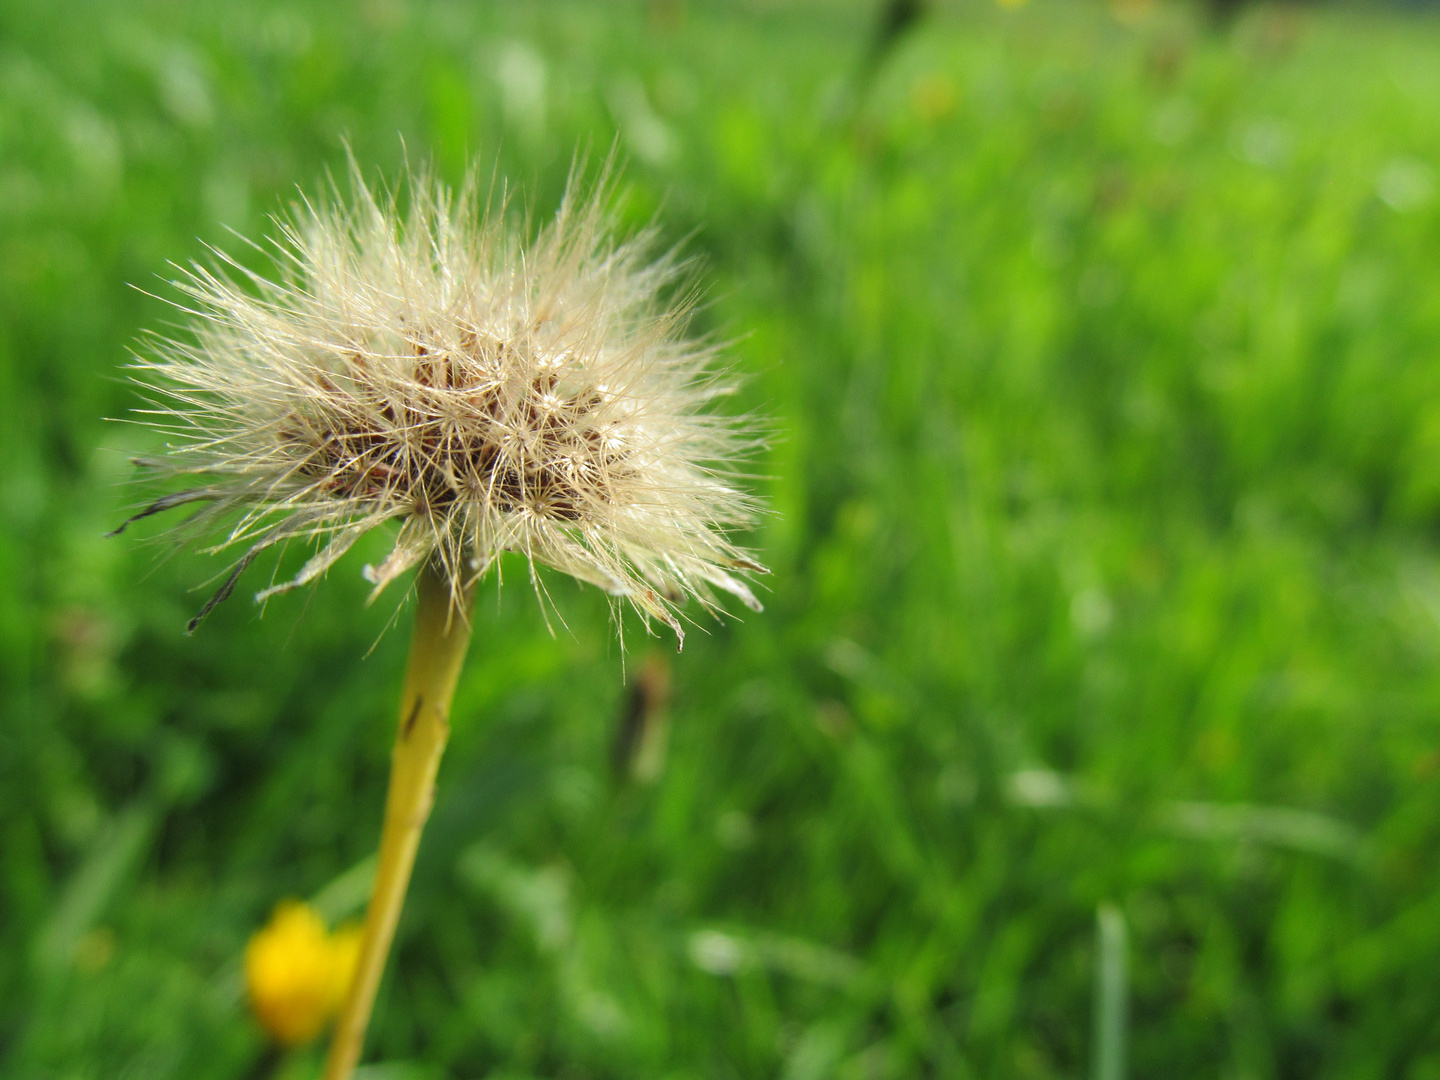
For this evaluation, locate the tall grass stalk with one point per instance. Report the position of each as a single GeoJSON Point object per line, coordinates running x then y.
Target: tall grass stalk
{"type": "Point", "coordinates": [1112, 992]}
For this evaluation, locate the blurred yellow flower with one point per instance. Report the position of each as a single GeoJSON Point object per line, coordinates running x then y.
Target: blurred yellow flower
{"type": "Point", "coordinates": [1130, 12]}
{"type": "Point", "coordinates": [934, 97]}
{"type": "Point", "coordinates": [297, 972]}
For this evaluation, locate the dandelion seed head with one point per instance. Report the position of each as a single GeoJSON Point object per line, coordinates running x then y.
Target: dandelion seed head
{"type": "Point", "coordinates": [488, 389]}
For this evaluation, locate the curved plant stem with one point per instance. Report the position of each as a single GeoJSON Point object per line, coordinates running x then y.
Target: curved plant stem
{"type": "Point", "coordinates": [437, 653]}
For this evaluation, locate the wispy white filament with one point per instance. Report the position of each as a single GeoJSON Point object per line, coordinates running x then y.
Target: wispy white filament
{"type": "Point", "coordinates": [489, 390]}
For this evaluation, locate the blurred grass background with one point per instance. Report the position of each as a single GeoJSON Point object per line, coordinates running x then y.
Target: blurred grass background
{"type": "Point", "coordinates": [1102, 349]}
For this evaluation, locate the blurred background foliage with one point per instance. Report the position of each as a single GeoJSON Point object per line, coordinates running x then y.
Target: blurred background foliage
{"type": "Point", "coordinates": [1101, 346]}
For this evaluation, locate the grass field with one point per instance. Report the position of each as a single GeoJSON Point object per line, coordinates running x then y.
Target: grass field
{"type": "Point", "coordinates": [1103, 355]}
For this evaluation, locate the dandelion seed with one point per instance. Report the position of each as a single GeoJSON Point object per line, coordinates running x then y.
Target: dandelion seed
{"type": "Point", "coordinates": [435, 368]}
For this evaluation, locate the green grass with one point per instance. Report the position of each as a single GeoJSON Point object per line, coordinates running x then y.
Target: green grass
{"type": "Point", "coordinates": [1104, 361]}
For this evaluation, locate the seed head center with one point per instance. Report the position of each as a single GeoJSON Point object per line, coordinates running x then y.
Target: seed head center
{"type": "Point", "coordinates": [443, 426]}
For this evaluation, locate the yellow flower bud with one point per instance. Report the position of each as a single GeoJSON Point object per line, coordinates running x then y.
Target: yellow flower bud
{"type": "Point", "coordinates": [297, 972]}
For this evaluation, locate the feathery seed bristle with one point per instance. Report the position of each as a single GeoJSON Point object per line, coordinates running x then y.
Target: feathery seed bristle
{"type": "Point", "coordinates": [432, 366]}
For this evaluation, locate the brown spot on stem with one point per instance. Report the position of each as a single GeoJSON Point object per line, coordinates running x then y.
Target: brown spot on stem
{"type": "Point", "coordinates": [409, 724]}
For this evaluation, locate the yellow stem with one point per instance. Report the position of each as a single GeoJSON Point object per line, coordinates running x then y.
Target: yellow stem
{"type": "Point", "coordinates": [437, 653]}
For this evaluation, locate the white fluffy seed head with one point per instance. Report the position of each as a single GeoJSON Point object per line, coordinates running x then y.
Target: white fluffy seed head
{"type": "Point", "coordinates": [488, 389]}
